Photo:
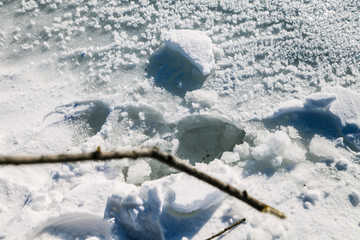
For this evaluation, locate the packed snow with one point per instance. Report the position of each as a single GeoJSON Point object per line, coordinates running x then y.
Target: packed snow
{"type": "Point", "coordinates": [194, 45]}
{"type": "Point", "coordinates": [264, 95]}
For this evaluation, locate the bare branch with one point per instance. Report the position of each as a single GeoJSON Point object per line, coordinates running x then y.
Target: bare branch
{"type": "Point", "coordinates": [140, 153]}
{"type": "Point", "coordinates": [227, 229]}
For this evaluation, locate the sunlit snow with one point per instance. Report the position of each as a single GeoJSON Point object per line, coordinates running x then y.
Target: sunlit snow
{"type": "Point", "coordinates": [264, 95]}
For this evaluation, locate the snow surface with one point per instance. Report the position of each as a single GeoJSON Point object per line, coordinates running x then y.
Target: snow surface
{"type": "Point", "coordinates": [194, 45]}
{"type": "Point", "coordinates": [264, 95]}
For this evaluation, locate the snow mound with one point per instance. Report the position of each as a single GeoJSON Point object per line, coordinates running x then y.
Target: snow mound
{"type": "Point", "coordinates": [333, 113]}
{"type": "Point", "coordinates": [201, 98]}
{"type": "Point", "coordinates": [158, 208]}
{"type": "Point", "coordinates": [354, 198]}
{"type": "Point", "coordinates": [174, 72]}
{"type": "Point", "coordinates": [274, 147]}
{"type": "Point", "coordinates": [139, 172]}
{"type": "Point", "coordinates": [341, 102]}
{"type": "Point", "coordinates": [346, 106]}
{"type": "Point", "coordinates": [81, 225]}
{"type": "Point", "coordinates": [319, 100]}
{"type": "Point", "coordinates": [230, 157]}
{"type": "Point", "coordinates": [322, 147]}
{"type": "Point", "coordinates": [193, 45]}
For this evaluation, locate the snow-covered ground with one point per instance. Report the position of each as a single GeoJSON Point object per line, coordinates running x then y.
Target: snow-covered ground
{"type": "Point", "coordinates": [264, 95]}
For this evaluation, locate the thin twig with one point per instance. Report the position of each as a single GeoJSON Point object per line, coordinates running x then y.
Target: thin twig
{"type": "Point", "coordinates": [140, 153]}
{"type": "Point", "coordinates": [227, 229]}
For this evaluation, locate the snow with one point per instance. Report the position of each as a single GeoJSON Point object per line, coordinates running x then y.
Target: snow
{"type": "Point", "coordinates": [81, 225]}
{"type": "Point", "coordinates": [347, 106]}
{"type": "Point", "coordinates": [194, 45]}
{"type": "Point", "coordinates": [338, 108]}
{"type": "Point", "coordinates": [319, 100]}
{"type": "Point", "coordinates": [354, 198]}
{"type": "Point", "coordinates": [264, 95]}
{"type": "Point", "coordinates": [201, 98]}
{"type": "Point", "coordinates": [243, 150]}
{"type": "Point", "coordinates": [159, 207]}
{"type": "Point", "coordinates": [322, 147]}
{"type": "Point", "coordinates": [230, 157]}
{"type": "Point", "coordinates": [139, 172]}
{"type": "Point", "coordinates": [273, 147]}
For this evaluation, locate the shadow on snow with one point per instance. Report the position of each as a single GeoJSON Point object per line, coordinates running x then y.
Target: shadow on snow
{"type": "Point", "coordinates": [174, 72]}
{"type": "Point", "coordinates": [309, 122]}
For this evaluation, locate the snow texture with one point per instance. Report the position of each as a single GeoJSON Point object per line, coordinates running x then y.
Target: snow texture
{"type": "Point", "coordinates": [194, 45]}
{"type": "Point", "coordinates": [158, 208]}
{"type": "Point", "coordinates": [262, 94]}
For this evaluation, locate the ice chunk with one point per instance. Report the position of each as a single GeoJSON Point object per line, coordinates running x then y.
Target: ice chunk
{"type": "Point", "coordinates": [273, 147]}
{"type": "Point", "coordinates": [174, 72]}
{"type": "Point", "coordinates": [139, 173]}
{"type": "Point", "coordinates": [139, 219]}
{"type": "Point", "coordinates": [322, 147]}
{"type": "Point", "coordinates": [342, 102]}
{"type": "Point", "coordinates": [333, 113]}
{"type": "Point", "coordinates": [201, 98]}
{"type": "Point", "coordinates": [230, 157]}
{"type": "Point", "coordinates": [320, 100]}
{"type": "Point", "coordinates": [205, 137]}
{"type": "Point", "coordinates": [346, 106]}
{"type": "Point", "coordinates": [279, 142]}
{"type": "Point", "coordinates": [276, 161]}
{"type": "Point", "coordinates": [261, 152]}
{"type": "Point", "coordinates": [354, 198]}
{"type": "Point", "coordinates": [86, 117]}
{"type": "Point", "coordinates": [342, 164]}
{"type": "Point", "coordinates": [193, 45]}
{"type": "Point", "coordinates": [242, 149]}
{"type": "Point", "coordinates": [186, 200]}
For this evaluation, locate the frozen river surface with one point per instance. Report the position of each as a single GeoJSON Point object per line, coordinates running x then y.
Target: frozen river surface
{"type": "Point", "coordinates": [264, 95]}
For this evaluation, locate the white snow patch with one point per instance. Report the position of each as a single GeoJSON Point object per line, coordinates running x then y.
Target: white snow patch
{"type": "Point", "coordinates": [322, 147]}
{"type": "Point", "coordinates": [243, 150]}
{"type": "Point", "coordinates": [230, 157]}
{"type": "Point", "coordinates": [139, 172]}
{"type": "Point", "coordinates": [193, 45]}
{"type": "Point", "coordinates": [201, 98]}
{"type": "Point", "coordinates": [274, 147]}
{"type": "Point", "coordinates": [71, 55]}
{"type": "Point", "coordinates": [258, 234]}
{"type": "Point", "coordinates": [346, 106]}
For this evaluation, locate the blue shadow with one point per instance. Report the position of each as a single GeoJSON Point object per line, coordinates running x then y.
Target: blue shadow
{"type": "Point", "coordinates": [174, 72]}
{"type": "Point", "coordinates": [309, 122]}
{"type": "Point", "coordinates": [179, 225]}
{"type": "Point", "coordinates": [93, 113]}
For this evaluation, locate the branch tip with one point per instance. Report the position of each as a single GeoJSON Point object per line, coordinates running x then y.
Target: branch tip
{"type": "Point", "coordinates": [273, 211]}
